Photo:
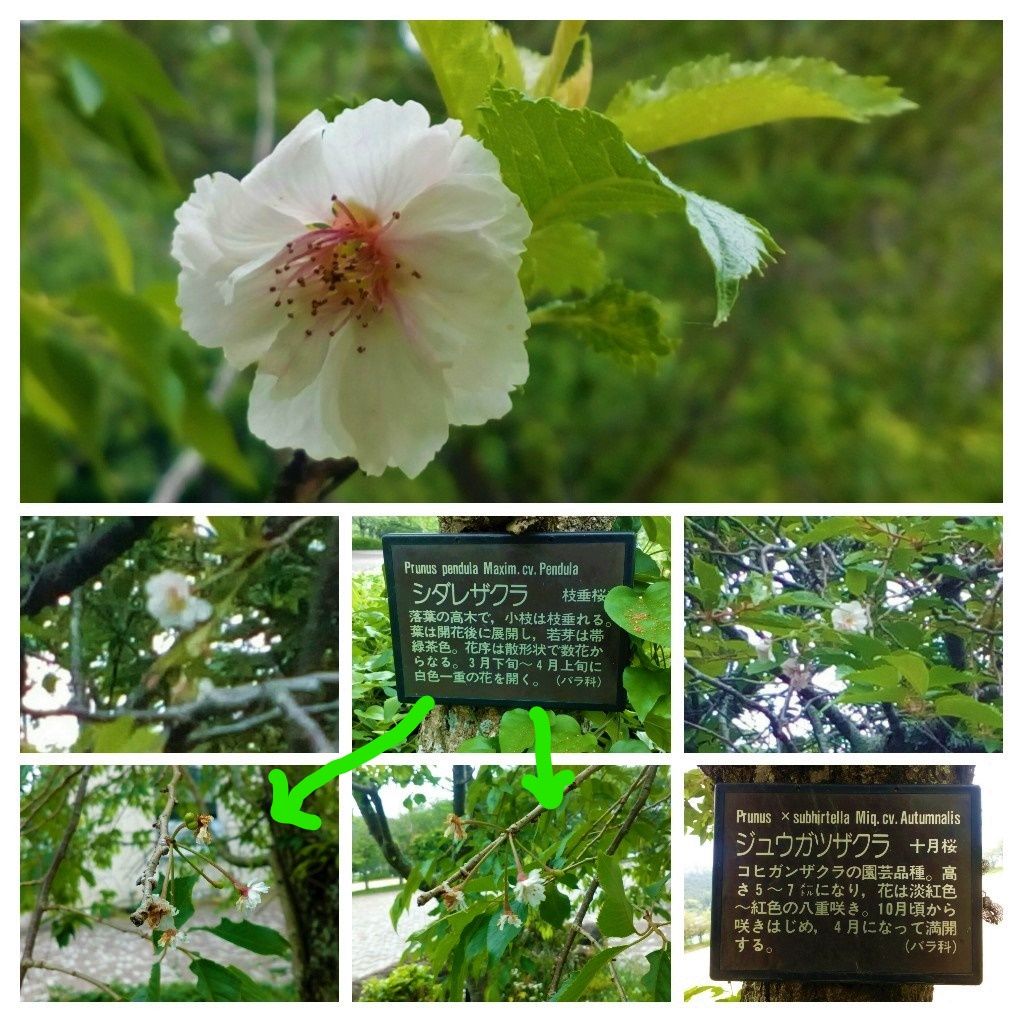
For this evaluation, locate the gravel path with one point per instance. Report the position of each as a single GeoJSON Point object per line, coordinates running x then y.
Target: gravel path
{"type": "Point", "coordinates": [112, 956]}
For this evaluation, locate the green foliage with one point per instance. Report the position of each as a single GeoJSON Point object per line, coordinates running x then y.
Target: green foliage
{"type": "Point", "coordinates": [463, 950]}
{"type": "Point", "coordinates": [715, 95]}
{"type": "Point", "coordinates": [833, 379]}
{"type": "Point", "coordinates": [274, 615]}
{"type": "Point", "coordinates": [115, 822]}
{"type": "Point", "coordinates": [766, 644]}
{"type": "Point", "coordinates": [255, 937]}
{"type": "Point", "coordinates": [616, 320]}
{"type": "Point", "coordinates": [407, 983]}
{"type": "Point", "coordinates": [573, 165]}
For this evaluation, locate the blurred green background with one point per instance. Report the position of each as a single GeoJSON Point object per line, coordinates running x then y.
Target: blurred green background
{"type": "Point", "coordinates": [865, 365]}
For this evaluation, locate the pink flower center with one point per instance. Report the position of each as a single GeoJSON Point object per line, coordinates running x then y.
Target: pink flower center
{"type": "Point", "coordinates": [337, 272]}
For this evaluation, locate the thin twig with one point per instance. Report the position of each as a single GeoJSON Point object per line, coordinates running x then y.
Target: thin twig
{"type": "Point", "coordinates": [160, 846]}
{"type": "Point", "coordinates": [51, 872]}
{"type": "Point", "coordinates": [643, 793]}
{"type": "Point", "coordinates": [471, 865]}
{"type": "Point", "coordinates": [43, 965]}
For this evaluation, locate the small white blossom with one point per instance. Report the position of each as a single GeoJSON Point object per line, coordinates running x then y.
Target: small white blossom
{"type": "Point", "coordinates": [171, 938]}
{"type": "Point", "coordinates": [454, 899]}
{"type": "Point", "coordinates": [169, 599]}
{"type": "Point", "coordinates": [851, 617]}
{"type": "Point", "coordinates": [530, 889]}
{"type": "Point", "coordinates": [157, 910]}
{"type": "Point", "coordinates": [509, 918]}
{"type": "Point", "coordinates": [456, 828]}
{"type": "Point", "coordinates": [251, 896]}
{"type": "Point", "coordinates": [368, 267]}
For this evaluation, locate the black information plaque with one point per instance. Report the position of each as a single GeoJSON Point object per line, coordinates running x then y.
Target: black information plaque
{"type": "Point", "coordinates": [480, 618]}
{"type": "Point", "coordinates": [847, 883]}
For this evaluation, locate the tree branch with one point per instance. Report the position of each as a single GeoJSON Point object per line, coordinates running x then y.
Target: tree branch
{"type": "Point", "coordinates": [44, 965]}
{"type": "Point", "coordinates": [88, 559]}
{"type": "Point", "coordinates": [152, 866]}
{"type": "Point", "coordinates": [471, 865]}
{"type": "Point", "coordinates": [42, 897]}
{"type": "Point", "coordinates": [306, 479]}
{"type": "Point", "coordinates": [643, 794]}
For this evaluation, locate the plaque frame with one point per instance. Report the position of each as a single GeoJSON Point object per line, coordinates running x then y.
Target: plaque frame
{"type": "Point", "coordinates": [973, 977]}
{"type": "Point", "coordinates": [624, 537]}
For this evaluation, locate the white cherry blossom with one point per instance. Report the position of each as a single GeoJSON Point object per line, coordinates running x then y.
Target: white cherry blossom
{"type": "Point", "coordinates": [529, 889]}
{"type": "Point", "coordinates": [368, 267]}
{"type": "Point", "coordinates": [251, 896]}
{"type": "Point", "coordinates": [169, 599]}
{"type": "Point", "coordinates": [851, 617]}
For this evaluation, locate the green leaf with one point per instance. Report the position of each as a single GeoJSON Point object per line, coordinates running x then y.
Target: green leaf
{"type": "Point", "coordinates": [646, 614]}
{"type": "Point", "coordinates": [797, 599]}
{"type": "Point", "coordinates": [737, 245]}
{"type": "Point", "coordinates": [617, 913]}
{"type": "Point", "coordinates": [941, 676]}
{"type": "Point", "coordinates": [404, 896]}
{"type": "Point", "coordinates": [883, 675]}
{"type": "Point", "coordinates": [113, 239]}
{"type": "Point", "coordinates": [575, 165]}
{"type": "Point", "coordinates": [829, 527]}
{"type": "Point", "coordinates": [555, 907]}
{"type": "Point", "coordinates": [219, 984]}
{"type": "Point", "coordinates": [478, 745]}
{"type": "Point", "coordinates": [861, 694]}
{"type": "Point", "coordinates": [856, 581]}
{"type": "Point", "coordinates": [560, 259]}
{"type": "Point", "coordinates": [208, 431]}
{"type": "Point", "coordinates": [515, 733]}
{"type": "Point", "coordinates": [970, 710]}
{"type": "Point", "coordinates": [714, 95]}
{"type": "Point", "coordinates": [911, 667]}
{"type": "Point", "coordinates": [465, 63]}
{"type": "Point", "coordinates": [645, 688]}
{"type": "Point", "coordinates": [629, 747]}
{"type": "Point", "coordinates": [620, 322]}
{"type": "Point", "coordinates": [153, 988]}
{"type": "Point", "coordinates": [118, 58]}
{"type": "Point", "coordinates": [257, 938]}
{"type": "Point", "coordinates": [180, 898]}
{"type": "Point", "coordinates": [122, 737]}
{"type": "Point", "coordinates": [575, 986]}
{"type": "Point", "coordinates": [499, 939]}
{"type": "Point", "coordinates": [710, 581]}
{"type": "Point", "coordinates": [657, 982]}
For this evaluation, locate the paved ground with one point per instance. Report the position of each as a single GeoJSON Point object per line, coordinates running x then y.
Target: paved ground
{"type": "Point", "coordinates": [367, 561]}
{"type": "Point", "coordinates": [376, 945]}
{"type": "Point", "coordinates": [112, 956]}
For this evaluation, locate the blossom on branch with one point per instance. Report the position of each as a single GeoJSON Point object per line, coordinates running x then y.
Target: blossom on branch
{"type": "Point", "coordinates": [169, 599]}
{"type": "Point", "coordinates": [251, 896]}
{"type": "Point", "coordinates": [529, 889]}
{"type": "Point", "coordinates": [368, 267]}
{"type": "Point", "coordinates": [456, 828]}
{"type": "Point", "coordinates": [508, 917]}
{"type": "Point", "coordinates": [454, 899]}
{"type": "Point", "coordinates": [851, 617]}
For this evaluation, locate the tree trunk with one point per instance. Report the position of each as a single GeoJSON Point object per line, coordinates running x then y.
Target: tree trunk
{"type": "Point", "coordinates": [834, 775]}
{"type": "Point", "coordinates": [446, 728]}
{"type": "Point", "coordinates": [307, 865]}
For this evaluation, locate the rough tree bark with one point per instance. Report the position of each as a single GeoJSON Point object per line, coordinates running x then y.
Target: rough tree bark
{"type": "Point", "coordinates": [446, 728]}
{"type": "Point", "coordinates": [835, 775]}
{"type": "Point", "coordinates": [307, 865]}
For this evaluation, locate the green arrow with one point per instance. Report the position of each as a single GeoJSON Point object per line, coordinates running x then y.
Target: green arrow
{"type": "Point", "coordinates": [546, 786]}
{"type": "Point", "coordinates": [286, 805]}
